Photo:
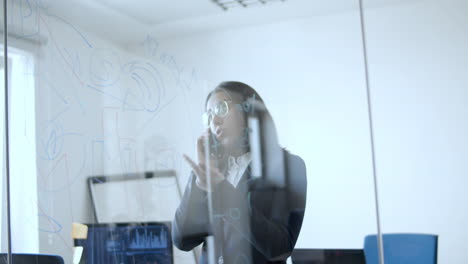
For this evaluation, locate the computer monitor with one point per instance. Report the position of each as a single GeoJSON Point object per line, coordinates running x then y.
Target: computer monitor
{"type": "Point", "coordinates": [129, 243]}
{"type": "Point", "coordinates": [135, 197]}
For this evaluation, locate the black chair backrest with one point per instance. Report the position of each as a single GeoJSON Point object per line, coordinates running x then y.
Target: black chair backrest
{"type": "Point", "coordinates": [31, 259]}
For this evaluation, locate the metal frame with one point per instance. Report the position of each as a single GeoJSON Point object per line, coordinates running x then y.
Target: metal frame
{"type": "Point", "coordinates": [7, 141]}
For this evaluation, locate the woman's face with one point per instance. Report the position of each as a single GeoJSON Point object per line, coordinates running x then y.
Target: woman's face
{"type": "Point", "coordinates": [229, 129]}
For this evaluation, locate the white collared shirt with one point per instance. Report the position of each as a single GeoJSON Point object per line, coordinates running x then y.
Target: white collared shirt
{"type": "Point", "coordinates": [237, 167]}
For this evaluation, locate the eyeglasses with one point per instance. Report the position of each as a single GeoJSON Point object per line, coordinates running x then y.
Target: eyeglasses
{"type": "Point", "coordinates": [221, 109]}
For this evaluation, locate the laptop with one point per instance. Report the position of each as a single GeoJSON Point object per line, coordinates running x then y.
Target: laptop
{"type": "Point", "coordinates": [128, 243]}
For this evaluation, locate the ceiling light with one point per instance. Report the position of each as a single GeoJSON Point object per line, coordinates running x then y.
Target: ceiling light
{"type": "Point", "coordinates": [230, 4]}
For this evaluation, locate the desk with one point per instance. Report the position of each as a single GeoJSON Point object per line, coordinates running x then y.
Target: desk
{"type": "Point", "coordinates": [328, 256]}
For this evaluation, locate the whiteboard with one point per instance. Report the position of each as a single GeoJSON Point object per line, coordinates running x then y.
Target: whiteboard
{"type": "Point", "coordinates": [138, 197]}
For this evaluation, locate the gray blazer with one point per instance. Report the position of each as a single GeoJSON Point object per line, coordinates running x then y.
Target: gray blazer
{"type": "Point", "coordinates": [255, 222]}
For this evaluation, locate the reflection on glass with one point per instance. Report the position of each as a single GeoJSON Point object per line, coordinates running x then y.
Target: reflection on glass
{"type": "Point", "coordinates": [253, 218]}
{"type": "Point", "coordinates": [148, 243]}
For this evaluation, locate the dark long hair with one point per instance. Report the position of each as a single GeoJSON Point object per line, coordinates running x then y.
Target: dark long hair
{"type": "Point", "coordinates": [239, 88]}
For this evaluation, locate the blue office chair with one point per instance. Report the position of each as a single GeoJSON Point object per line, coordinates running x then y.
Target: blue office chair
{"type": "Point", "coordinates": [402, 249]}
{"type": "Point", "coordinates": [31, 259]}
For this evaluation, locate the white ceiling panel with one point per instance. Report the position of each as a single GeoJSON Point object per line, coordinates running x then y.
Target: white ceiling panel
{"type": "Point", "coordinates": [126, 22]}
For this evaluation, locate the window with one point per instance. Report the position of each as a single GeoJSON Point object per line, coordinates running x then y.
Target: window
{"type": "Point", "coordinates": [22, 138]}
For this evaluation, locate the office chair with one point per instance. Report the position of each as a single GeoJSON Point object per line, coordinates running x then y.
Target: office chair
{"type": "Point", "coordinates": [31, 259]}
{"type": "Point", "coordinates": [402, 249]}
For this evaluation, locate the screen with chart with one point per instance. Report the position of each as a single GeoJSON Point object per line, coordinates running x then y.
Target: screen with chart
{"type": "Point", "coordinates": [129, 244]}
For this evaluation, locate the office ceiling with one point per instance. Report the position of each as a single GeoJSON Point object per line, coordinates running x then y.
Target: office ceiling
{"type": "Point", "coordinates": [124, 21]}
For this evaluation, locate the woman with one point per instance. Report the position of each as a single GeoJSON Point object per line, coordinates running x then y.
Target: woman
{"type": "Point", "coordinates": [252, 204]}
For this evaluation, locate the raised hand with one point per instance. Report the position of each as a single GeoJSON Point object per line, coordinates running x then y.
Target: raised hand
{"type": "Point", "coordinates": [207, 170]}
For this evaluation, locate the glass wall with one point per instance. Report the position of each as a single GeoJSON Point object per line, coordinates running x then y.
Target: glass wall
{"type": "Point", "coordinates": [191, 132]}
{"type": "Point", "coordinates": [418, 56]}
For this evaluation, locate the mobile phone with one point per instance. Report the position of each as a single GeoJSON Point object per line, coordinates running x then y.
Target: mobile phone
{"type": "Point", "coordinates": [215, 148]}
